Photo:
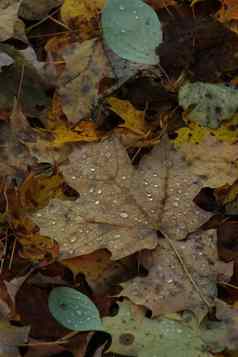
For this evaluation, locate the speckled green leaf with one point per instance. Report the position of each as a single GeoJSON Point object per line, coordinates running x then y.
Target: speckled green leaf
{"type": "Point", "coordinates": [74, 310]}
{"type": "Point", "coordinates": [132, 30]}
{"type": "Point", "coordinates": [208, 104]}
{"type": "Point", "coordinates": [133, 334]}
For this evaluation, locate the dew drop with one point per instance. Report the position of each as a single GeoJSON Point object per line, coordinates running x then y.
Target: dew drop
{"type": "Point", "coordinates": [73, 239]}
{"type": "Point", "coordinates": [117, 236]}
{"type": "Point", "coordinates": [123, 178]}
{"type": "Point", "coordinates": [53, 222]}
{"type": "Point", "coordinates": [156, 186]}
{"type": "Point", "coordinates": [122, 8]}
{"type": "Point", "coordinates": [91, 190]}
{"type": "Point", "coordinates": [38, 214]}
{"type": "Point", "coordinates": [73, 177]}
{"type": "Point", "coordinates": [92, 169]}
{"type": "Point", "coordinates": [137, 17]}
{"type": "Point", "coordinates": [170, 281]}
{"type": "Point", "coordinates": [99, 192]}
{"type": "Point", "coordinates": [150, 198]}
{"type": "Point", "coordinates": [123, 31]}
{"type": "Point", "coordinates": [175, 204]}
{"type": "Point", "coordinates": [123, 215]}
{"type": "Point", "coordinates": [155, 175]}
{"type": "Point", "coordinates": [97, 202]}
{"type": "Point", "coordinates": [146, 183]}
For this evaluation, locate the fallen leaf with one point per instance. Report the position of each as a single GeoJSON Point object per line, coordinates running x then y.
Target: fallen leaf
{"type": "Point", "coordinates": [83, 16]}
{"type": "Point", "coordinates": [11, 337]}
{"type": "Point", "coordinates": [168, 287]}
{"type": "Point", "coordinates": [74, 310]}
{"type": "Point", "coordinates": [222, 334]}
{"type": "Point", "coordinates": [8, 18]}
{"type": "Point", "coordinates": [33, 97]}
{"type": "Point", "coordinates": [86, 65]}
{"type": "Point", "coordinates": [211, 158]}
{"type": "Point", "coordinates": [195, 133]}
{"type": "Point", "coordinates": [228, 11]}
{"type": "Point", "coordinates": [106, 215]}
{"type": "Point", "coordinates": [30, 10]}
{"type": "Point", "coordinates": [121, 207]}
{"type": "Point", "coordinates": [101, 273]}
{"type": "Point", "coordinates": [160, 4]}
{"type": "Point", "coordinates": [5, 60]}
{"type": "Point", "coordinates": [134, 334]}
{"type": "Point", "coordinates": [210, 103]}
{"type": "Point", "coordinates": [132, 30]}
{"type": "Point", "coordinates": [134, 120]}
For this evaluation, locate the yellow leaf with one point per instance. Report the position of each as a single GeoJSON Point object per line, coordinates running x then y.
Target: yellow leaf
{"type": "Point", "coordinates": [134, 119]}
{"type": "Point", "coordinates": [82, 15]}
{"type": "Point", "coordinates": [194, 133]}
{"type": "Point", "coordinates": [228, 11]}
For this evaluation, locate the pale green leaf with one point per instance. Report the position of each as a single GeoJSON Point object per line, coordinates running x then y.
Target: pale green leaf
{"type": "Point", "coordinates": [74, 310]}
{"type": "Point", "coordinates": [208, 104]}
{"type": "Point", "coordinates": [132, 30]}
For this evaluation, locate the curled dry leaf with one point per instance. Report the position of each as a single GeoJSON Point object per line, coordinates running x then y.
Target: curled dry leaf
{"type": "Point", "coordinates": [121, 207]}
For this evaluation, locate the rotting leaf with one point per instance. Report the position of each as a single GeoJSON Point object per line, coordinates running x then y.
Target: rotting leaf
{"type": "Point", "coordinates": [5, 60]}
{"type": "Point", "coordinates": [86, 65]}
{"type": "Point", "coordinates": [121, 207]}
{"type": "Point", "coordinates": [83, 16]}
{"type": "Point", "coordinates": [30, 10]}
{"type": "Point", "coordinates": [101, 273]}
{"type": "Point", "coordinates": [33, 97]}
{"type": "Point", "coordinates": [168, 287]}
{"type": "Point", "coordinates": [209, 157]}
{"type": "Point", "coordinates": [134, 334]}
{"type": "Point", "coordinates": [211, 103]}
{"type": "Point", "coordinates": [8, 18]}
{"type": "Point", "coordinates": [11, 337]}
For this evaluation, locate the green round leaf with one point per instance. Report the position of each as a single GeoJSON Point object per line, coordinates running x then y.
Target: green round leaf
{"type": "Point", "coordinates": [132, 30]}
{"type": "Point", "coordinates": [74, 310]}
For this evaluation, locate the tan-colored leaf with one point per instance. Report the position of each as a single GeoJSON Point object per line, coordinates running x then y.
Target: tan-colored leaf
{"type": "Point", "coordinates": [8, 18]}
{"type": "Point", "coordinates": [168, 288]}
{"type": "Point", "coordinates": [30, 10]}
{"type": "Point", "coordinates": [121, 207]}
{"type": "Point", "coordinates": [86, 65]}
{"type": "Point", "coordinates": [11, 337]}
{"type": "Point", "coordinates": [100, 272]}
{"type": "Point", "coordinates": [212, 159]}
{"type": "Point", "coordinates": [106, 215]}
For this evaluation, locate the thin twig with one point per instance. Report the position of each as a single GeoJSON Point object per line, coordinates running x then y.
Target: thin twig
{"type": "Point", "coordinates": [12, 254]}
{"type": "Point", "coordinates": [196, 287]}
{"type": "Point", "coordinates": [228, 284]}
